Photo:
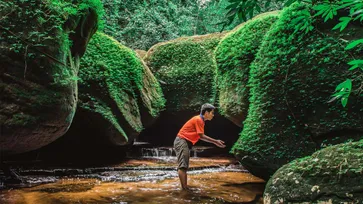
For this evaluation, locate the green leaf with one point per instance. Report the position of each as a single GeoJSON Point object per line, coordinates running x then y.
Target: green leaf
{"type": "Point", "coordinates": [344, 22]}
{"type": "Point", "coordinates": [343, 90]}
{"type": "Point", "coordinates": [344, 101]}
{"type": "Point", "coordinates": [345, 18]}
{"type": "Point", "coordinates": [320, 11]}
{"type": "Point", "coordinates": [297, 19]}
{"type": "Point", "coordinates": [319, 7]}
{"type": "Point", "coordinates": [353, 44]}
{"type": "Point", "coordinates": [310, 28]}
{"type": "Point", "coordinates": [347, 84]}
{"type": "Point", "coordinates": [358, 16]}
{"type": "Point", "coordinates": [339, 94]}
{"type": "Point", "coordinates": [345, 5]}
{"type": "Point", "coordinates": [357, 12]}
{"type": "Point", "coordinates": [356, 62]}
{"type": "Point", "coordinates": [329, 16]}
{"type": "Point", "coordinates": [358, 5]}
{"type": "Point", "coordinates": [353, 67]}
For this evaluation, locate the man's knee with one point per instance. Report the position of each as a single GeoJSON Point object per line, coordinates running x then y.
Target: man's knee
{"type": "Point", "coordinates": [184, 169]}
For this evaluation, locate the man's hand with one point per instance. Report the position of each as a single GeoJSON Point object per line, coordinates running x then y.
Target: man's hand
{"type": "Point", "coordinates": [220, 143]}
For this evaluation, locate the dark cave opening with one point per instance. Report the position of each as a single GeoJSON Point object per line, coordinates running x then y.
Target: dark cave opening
{"type": "Point", "coordinates": [85, 142]}
{"type": "Point", "coordinates": [167, 126]}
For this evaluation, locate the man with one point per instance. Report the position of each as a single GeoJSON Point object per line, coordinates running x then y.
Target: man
{"type": "Point", "coordinates": [189, 134]}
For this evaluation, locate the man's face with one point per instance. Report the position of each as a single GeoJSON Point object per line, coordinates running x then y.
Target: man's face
{"type": "Point", "coordinates": [209, 115]}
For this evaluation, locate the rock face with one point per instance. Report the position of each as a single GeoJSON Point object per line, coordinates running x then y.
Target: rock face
{"type": "Point", "coordinates": [186, 70]}
{"type": "Point", "coordinates": [291, 81]}
{"type": "Point", "coordinates": [40, 50]}
{"type": "Point", "coordinates": [152, 98]}
{"type": "Point", "coordinates": [331, 175]}
{"type": "Point", "coordinates": [234, 55]}
{"type": "Point", "coordinates": [114, 86]}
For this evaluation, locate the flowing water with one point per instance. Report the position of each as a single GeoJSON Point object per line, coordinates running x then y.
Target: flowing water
{"type": "Point", "coordinates": [148, 179]}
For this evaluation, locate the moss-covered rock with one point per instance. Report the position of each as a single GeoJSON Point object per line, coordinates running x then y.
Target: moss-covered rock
{"type": "Point", "coordinates": [186, 70]}
{"type": "Point", "coordinates": [152, 98]}
{"type": "Point", "coordinates": [41, 44]}
{"type": "Point", "coordinates": [234, 55]}
{"type": "Point", "coordinates": [114, 83]}
{"type": "Point", "coordinates": [331, 175]}
{"type": "Point", "coordinates": [292, 79]}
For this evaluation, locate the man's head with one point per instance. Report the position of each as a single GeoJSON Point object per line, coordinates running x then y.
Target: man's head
{"type": "Point", "coordinates": [207, 111]}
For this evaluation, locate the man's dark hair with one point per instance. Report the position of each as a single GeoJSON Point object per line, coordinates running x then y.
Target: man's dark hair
{"type": "Point", "coordinates": [206, 107]}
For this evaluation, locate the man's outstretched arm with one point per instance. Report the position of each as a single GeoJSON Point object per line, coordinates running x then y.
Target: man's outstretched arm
{"type": "Point", "coordinates": [218, 143]}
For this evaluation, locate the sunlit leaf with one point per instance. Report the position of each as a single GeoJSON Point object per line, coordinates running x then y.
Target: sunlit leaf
{"type": "Point", "coordinates": [355, 62]}
{"type": "Point", "coordinates": [343, 24]}
{"type": "Point", "coordinates": [354, 44]}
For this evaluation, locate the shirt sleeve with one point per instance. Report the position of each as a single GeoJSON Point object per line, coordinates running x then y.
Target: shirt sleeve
{"type": "Point", "coordinates": [199, 126]}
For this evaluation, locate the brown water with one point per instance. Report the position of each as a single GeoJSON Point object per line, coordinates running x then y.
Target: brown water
{"type": "Point", "coordinates": [228, 183]}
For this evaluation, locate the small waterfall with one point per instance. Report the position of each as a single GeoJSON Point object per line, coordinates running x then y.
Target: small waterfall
{"type": "Point", "coordinates": [157, 152]}
{"type": "Point", "coordinates": [195, 151]}
{"type": "Point", "coordinates": [166, 152]}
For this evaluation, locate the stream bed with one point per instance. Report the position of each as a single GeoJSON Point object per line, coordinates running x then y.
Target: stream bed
{"type": "Point", "coordinates": [136, 180]}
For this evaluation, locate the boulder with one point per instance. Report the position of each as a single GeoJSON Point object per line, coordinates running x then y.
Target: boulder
{"type": "Point", "coordinates": [114, 86]}
{"type": "Point", "coordinates": [41, 45]}
{"type": "Point", "coordinates": [291, 82]}
{"type": "Point", "coordinates": [234, 55]}
{"type": "Point", "coordinates": [186, 69]}
{"type": "Point", "coordinates": [331, 175]}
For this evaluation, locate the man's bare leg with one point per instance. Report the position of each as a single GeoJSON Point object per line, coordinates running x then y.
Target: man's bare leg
{"type": "Point", "coordinates": [183, 178]}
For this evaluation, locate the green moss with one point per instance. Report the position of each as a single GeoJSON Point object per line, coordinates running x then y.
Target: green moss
{"type": "Point", "coordinates": [208, 41]}
{"type": "Point", "coordinates": [187, 68]}
{"type": "Point", "coordinates": [152, 97]}
{"type": "Point", "coordinates": [333, 173]}
{"type": "Point", "coordinates": [234, 54]}
{"type": "Point", "coordinates": [101, 107]}
{"type": "Point", "coordinates": [46, 26]}
{"type": "Point", "coordinates": [112, 74]}
{"type": "Point", "coordinates": [326, 161]}
{"type": "Point", "coordinates": [291, 80]}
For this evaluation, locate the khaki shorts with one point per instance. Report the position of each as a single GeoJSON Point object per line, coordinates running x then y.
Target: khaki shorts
{"type": "Point", "coordinates": [182, 152]}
